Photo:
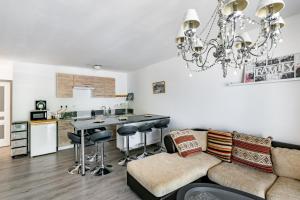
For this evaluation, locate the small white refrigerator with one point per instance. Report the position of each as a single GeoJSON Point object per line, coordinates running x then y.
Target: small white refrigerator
{"type": "Point", "coordinates": [43, 137]}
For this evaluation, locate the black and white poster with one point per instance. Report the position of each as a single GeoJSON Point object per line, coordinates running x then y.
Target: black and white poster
{"type": "Point", "coordinates": [284, 67]}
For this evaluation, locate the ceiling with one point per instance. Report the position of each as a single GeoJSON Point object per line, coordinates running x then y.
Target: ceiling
{"type": "Point", "coordinates": [119, 34]}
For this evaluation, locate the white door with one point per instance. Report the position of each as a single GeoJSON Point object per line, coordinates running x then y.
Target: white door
{"type": "Point", "coordinates": [5, 113]}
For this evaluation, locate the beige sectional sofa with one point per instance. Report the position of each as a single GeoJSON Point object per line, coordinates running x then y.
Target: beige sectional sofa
{"type": "Point", "coordinates": [164, 173]}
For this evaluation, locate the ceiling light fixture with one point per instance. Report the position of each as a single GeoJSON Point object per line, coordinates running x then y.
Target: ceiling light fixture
{"type": "Point", "coordinates": [232, 45]}
{"type": "Point", "coordinates": [97, 67]}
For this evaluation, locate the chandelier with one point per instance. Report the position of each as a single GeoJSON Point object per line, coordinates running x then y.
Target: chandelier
{"type": "Point", "coordinates": [232, 47]}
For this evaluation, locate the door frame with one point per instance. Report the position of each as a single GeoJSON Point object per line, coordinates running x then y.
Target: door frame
{"type": "Point", "coordinates": [11, 96]}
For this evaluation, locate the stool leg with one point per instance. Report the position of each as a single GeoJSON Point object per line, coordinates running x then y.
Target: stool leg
{"type": "Point", "coordinates": [127, 158]}
{"type": "Point", "coordinates": [145, 153]}
{"type": "Point", "coordinates": [102, 170]}
{"type": "Point", "coordinates": [161, 147]}
{"type": "Point", "coordinates": [76, 153]}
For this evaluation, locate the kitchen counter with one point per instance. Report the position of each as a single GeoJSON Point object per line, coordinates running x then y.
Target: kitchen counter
{"type": "Point", "coordinates": [96, 123]}
{"type": "Point", "coordinates": [47, 121]}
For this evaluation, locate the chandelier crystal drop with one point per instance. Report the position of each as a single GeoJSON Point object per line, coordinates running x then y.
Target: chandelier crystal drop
{"type": "Point", "coordinates": [232, 47]}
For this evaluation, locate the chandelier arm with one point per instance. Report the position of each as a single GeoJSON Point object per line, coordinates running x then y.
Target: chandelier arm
{"type": "Point", "coordinates": [206, 58]}
{"type": "Point", "coordinates": [185, 59]}
{"type": "Point", "coordinates": [212, 44]}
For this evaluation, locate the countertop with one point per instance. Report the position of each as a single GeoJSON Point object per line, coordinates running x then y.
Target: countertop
{"type": "Point", "coordinates": [47, 121]}
{"type": "Point", "coordinates": [96, 123]}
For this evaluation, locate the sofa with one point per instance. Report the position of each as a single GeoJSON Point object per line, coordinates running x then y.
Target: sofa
{"type": "Point", "coordinates": [160, 176]}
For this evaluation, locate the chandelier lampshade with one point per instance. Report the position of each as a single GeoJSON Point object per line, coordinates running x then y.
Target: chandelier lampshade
{"type": "Point", "coordinates": [231, 6]}
{"type": "Point", "coordinates": [191, 20]}
{"type": "Point", "coordinates": [198, 45]}
{"type": "Point", "coordinates": [267, 7]}
{"type": "Point", "coordinates": [279, 23]}
{"type": "Point", "coordinates": [247, 41]}
{"type": "Point", "coordinates": [180, 38]}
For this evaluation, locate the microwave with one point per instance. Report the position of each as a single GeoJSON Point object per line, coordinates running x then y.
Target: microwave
{"type": "Point", "coordinates": [38, 115]}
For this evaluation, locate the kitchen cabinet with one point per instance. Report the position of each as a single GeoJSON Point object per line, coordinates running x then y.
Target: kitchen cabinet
{"type": "Point", "coordinates": [43, 137]}
{"type": "Point", "coordinates": [83, 81]}
{"type": "Point", "coordinates": [102, 86]}
{"type": "Point", "coordinates": [64, 126]}
{"type": "Point", "coordinates": [64, 85]}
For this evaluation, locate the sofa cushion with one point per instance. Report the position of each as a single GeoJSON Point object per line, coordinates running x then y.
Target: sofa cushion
{"type": "Point", "coordinates": [164, 173]}
{"type": "Point", "coordinates": [284, 188]}
{"type": "Point", "coordinates": [242, 178]}
{"type": "Point", "coordinates": [185, 142]}
{"type": "Point", "coordinates": [219, 144]}
{"type": "Point", "coordinates": [286, 162]}
{"type": "Point", "coordinates": [201, 137]}
{"type": "Point", "coordinates": [252, 151]}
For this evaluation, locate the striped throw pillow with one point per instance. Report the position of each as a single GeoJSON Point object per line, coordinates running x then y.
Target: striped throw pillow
{"type": "Point", "coordinates": [185, 143]}
{"type": "Point", "coordinates": [252, 151]}
{"type": "Point", "coordinates": [219, 144]}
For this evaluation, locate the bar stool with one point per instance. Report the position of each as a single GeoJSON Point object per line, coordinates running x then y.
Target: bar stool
{"type": "Point", "coordinates": [93, 156]}
{"type": "Point", "coordinates": [126, 131]}
{"type": "Point", "coordinates": [161, 125]}
{"type": "Point", "coordinates": [76, 140]}
{"type": "Point", "coordinates": [145, 129]}
{"type": "Point", "coordinates": [99, 138]}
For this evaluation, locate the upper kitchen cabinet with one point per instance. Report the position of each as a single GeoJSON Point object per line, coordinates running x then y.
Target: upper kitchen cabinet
{"type": "Point", "coordinates": [102, 86]}
{"type": "Point", "coordinates": [83, 81]}
{"type": "Point", "coordinates": [64, 85]}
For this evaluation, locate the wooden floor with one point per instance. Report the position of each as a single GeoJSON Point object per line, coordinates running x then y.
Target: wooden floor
{"type": "Point", "coordinates": [46, 177]}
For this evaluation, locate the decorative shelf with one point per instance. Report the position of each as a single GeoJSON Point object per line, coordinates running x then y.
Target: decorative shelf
{"type": "Point", "coordinates": [263, 82]}
{"type": "Point", "coordinates": [121, 95]}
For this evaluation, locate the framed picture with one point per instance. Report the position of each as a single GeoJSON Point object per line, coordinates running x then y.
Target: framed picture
{"type": "Point", "coordinates": [284, 67]}
{"type": "Point", "coordinates": [159, 87]}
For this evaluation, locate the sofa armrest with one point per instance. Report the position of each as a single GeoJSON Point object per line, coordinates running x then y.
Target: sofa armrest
{"type": "Point", "coordinates": [169, 144]}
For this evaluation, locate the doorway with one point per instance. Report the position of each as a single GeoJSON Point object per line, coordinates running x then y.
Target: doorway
{"type": "Point", "coordinates": [5, 112]}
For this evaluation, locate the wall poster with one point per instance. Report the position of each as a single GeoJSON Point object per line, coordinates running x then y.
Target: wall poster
{"type": "Point", "coordinates": [284, 67]}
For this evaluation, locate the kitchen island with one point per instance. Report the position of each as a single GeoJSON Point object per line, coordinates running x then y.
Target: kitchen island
{"type": "Point", "coordinates": [108, 121]}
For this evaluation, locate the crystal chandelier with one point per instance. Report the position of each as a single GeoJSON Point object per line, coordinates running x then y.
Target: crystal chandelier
{"type": "Point", "coordinates": [232, 46]}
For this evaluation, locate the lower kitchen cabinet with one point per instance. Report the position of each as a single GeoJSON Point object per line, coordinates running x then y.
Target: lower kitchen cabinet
{"type": "Point", "coordinates": [64, 126]}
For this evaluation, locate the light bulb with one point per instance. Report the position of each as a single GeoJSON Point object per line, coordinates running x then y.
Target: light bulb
{"type": "Point", "coordinates": [190, 74]}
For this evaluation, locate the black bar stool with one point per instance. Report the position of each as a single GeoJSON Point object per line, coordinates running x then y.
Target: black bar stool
{"type": "Point", "coordinates": [76, 140]}
{"type": "Point", "coordinates": [99, 138]}
{"type": "Point", "coordinates": [145, 129]}
{"type": "Point", "coordinates": [93, 157]}
{"type": "Point", "coordinates": [161, 125]}
{"type": "Point", "coordinates": [126, 131]}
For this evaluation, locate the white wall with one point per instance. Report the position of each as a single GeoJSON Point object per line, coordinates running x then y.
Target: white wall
{"type": "Point", "coordinates": [38, 81]}
{"type": "Point", "coordinates": [205, 101]}
{"type": "Point", "coordinates": [6, 70]}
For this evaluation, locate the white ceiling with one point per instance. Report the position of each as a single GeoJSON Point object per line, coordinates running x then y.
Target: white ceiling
{"type": "Point", "coordinates": [120, 34]}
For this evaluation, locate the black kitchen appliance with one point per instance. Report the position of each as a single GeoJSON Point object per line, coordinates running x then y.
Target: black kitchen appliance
{"type": "Point", "coordinates": [38, 115]}
{"type": "Point", "coordinates": [40, 105]}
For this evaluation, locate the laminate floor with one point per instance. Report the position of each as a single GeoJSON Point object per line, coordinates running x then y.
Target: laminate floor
{"type": "Point", "coordinates": [46, 177]}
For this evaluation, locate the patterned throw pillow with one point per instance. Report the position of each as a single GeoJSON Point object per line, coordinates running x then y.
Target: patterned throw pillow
{"type": "Point", "coordinates": [252, 151]}
{"type": "Point", "coordinates": [219, 144]}
{"type": "Point", "coordinates": [185, 143]}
